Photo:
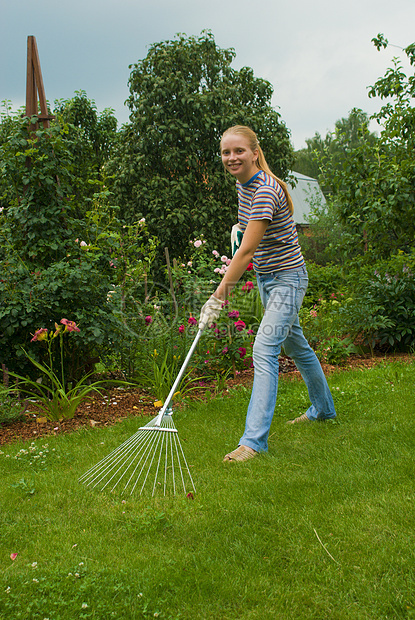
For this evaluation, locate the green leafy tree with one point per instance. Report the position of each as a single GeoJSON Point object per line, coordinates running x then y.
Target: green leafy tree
{"type": "Point", "coordinates": [99, 130]}
{"type": "Point", "coordinates": [183, 95]}
{"type": "Point", "coordinates": [348, 134]}
{"type": "Point", "coordinates": [372, 182]}
{"type": "Point", "coordinates": [55, 264]}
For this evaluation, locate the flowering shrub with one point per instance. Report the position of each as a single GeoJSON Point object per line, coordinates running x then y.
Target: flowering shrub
{"type": "Point", "coordinates": [381, 306]}
{"type": "Point", "coordinates": [53, 395]}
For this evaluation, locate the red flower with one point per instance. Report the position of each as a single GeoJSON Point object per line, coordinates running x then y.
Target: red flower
{"type": "Point", "coordinates": [40, 334]}
{"type": "Point", "coordinates": [181, 329]}
{"type": "Point", "coordinates": [242, 352]}
{"type": "Point", "coordinates": [70, 326]}
{"type": "Point", "coordinates": [148, 319]}
{"type": "Point", "coordinates": [250, 267]}
{"type": "Point", "coordinates": [192, 321]}
{"type": "Point", "coordinates": [239, 325]}
{"type": "Point", "coordinates": [234, 314]}
{"type": "Point", "coordinates": [248, 286]}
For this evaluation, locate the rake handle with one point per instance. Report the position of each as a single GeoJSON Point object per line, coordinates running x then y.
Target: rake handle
{"type": "Point", "coordinates": [178, 379]}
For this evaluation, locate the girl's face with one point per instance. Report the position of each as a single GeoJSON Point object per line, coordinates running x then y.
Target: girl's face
{"type": "Point", "coordinates": [238, 158]}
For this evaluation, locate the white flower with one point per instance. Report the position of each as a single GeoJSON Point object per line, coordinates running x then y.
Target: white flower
{"type": "Point", "coordinates": [84, 605]}
{"type": "Point", "coordinates": [34, 565]}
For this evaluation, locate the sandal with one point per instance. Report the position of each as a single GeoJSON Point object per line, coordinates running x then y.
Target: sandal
{"type": "Point", "coordinates": [299, 420]}
{"type": "Point", "coordinates": [240, 454]}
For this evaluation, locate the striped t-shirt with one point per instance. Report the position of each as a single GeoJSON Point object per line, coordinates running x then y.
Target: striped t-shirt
{"type": "Point", "coordinates": [262, 198]}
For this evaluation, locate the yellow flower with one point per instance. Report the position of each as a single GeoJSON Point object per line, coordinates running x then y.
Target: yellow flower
{"type": "Point", "coordinates": [158, 403]}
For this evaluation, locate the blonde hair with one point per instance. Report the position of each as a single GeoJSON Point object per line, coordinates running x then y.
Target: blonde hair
{"type": "Point", "coordinates": [261, 162]}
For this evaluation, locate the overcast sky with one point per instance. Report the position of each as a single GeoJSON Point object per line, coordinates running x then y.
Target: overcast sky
{"type": "Point", "coordinates": [317, 55]}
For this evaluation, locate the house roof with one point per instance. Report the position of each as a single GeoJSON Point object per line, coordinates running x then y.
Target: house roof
{"type": "Point", "coordinates": [306, 192]}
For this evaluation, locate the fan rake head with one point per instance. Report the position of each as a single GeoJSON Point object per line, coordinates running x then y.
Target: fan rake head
{"type": "Point", "coordinates": [152, 456]}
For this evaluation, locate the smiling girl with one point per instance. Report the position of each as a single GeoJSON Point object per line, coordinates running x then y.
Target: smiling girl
{"type": "Point", "coordinates": [270, 241]}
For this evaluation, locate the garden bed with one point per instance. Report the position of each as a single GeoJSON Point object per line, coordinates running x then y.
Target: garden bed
{"type": "Point", "coordinates": [119, 403]}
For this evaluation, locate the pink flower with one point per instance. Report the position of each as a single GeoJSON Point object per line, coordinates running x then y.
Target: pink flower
{"type": "Point", "coordinates": [234, 314]}
{"type": "Point", "coordinates": [192, 321]}
{"type": "Point", "coordinates": [250, 332]}
{"type": "Point", "coordinates": [190, 496]}
{"type": "Point", "coordinates": [239, 325]}
{"type": "Point", "coordinates": [333, 296]}
{"type": "Point", "coordinates": [13, 556]}
{"type": "Point", "coordinates": [224, 259]}
{"type": "Point", "coordinates": [148, 319]}
{"type": "Point", "coordinates": [215, 253]}
{"type": "Point", "coordinates": [181, 329]}
{"type": "Point", "coordinates": [225, 350]}
{"type": "Point", "coordinates": [313, 313]}
{"type": "Point", "coordinates": [40, 334]}
{"type": "Point", "coordinates": [242, 352]}
{"type": "Point", "coordinates": [70, 326]}
{"type": "Point", "coordinates": [248, 286]}
{"type": "Point", "coordinates": [197, 243]}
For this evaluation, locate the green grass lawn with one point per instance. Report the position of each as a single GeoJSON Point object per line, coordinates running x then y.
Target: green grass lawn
{"type": "Point", "coordinates": [323, 526]}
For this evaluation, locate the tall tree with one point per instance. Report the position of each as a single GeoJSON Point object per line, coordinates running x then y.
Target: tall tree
{"type": "Point", "coordinates": [183, 95]}
{"type": "Point", "coordinates": [374, 186]}
{"type": "Point", "coordinates": [348, 134]}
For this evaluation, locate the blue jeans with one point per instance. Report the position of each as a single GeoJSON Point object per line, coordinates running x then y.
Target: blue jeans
{"type": "Point", "coordinates": [282, 294]}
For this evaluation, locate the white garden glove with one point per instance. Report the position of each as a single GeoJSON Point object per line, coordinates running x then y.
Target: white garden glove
{"type": "Point", "coordinates": [210, 312]}
{"type": "Point", "coordinates": [236, 238]}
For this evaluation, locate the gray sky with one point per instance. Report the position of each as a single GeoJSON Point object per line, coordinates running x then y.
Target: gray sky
{"type": "Point", "coordinates": [317, 55]}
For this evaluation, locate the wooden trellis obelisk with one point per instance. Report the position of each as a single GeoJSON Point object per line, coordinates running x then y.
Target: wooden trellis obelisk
{"type": "Point", "coordinates": [35, 91]}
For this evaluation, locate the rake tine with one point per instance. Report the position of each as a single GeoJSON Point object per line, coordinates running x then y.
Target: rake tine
{"type": "Point", "coordinates": [145, 448]}
{"type": "Point", "coordinates": [148, 471]}
{"type": "Point", "coordinates": [186, 465]}
{"type": "Point", "coordinates": [158, 467]}
{"type": "Point", "coordinates": [110, 457]}
{"type": "Point", "coordinates": [110, 466]}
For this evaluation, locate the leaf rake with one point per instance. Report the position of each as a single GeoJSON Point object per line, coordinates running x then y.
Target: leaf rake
{"type": "Point", "coordinates": [154, 453]}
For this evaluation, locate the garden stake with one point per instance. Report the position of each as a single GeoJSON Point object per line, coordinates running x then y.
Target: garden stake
{"type": "Point", "coordinates": [153, 453]}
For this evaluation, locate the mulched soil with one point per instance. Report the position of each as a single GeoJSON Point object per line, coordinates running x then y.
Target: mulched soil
{"type": "Point", "coordinates": [119, 404]}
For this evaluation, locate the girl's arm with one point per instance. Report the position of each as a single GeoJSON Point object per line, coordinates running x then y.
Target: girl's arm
{"type": "Point", "coordinates": [250, 241]}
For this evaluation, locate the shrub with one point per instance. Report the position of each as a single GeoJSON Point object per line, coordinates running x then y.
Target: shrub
{"type": "Point", "coordinates": [382, 304]}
